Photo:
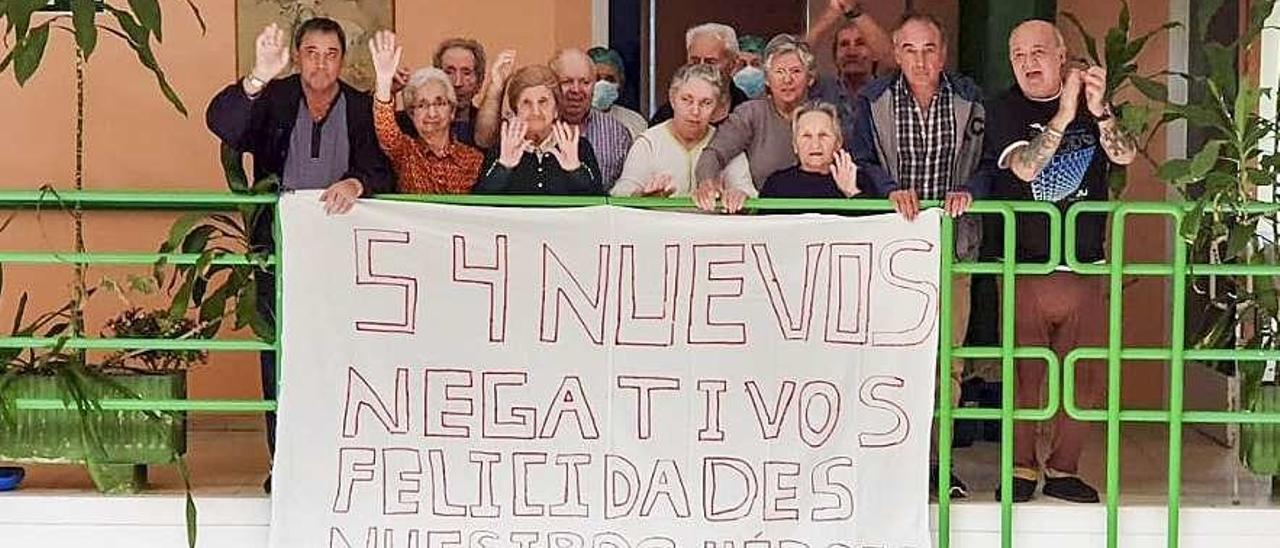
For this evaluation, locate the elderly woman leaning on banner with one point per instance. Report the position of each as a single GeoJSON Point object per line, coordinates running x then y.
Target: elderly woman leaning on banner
{"type": "Point", "coordinates": [825, 170]}
{"type": "Point", "coordinates": [433, 163]}
{"type": "Point", "coordinates": [661, 161]}
{"type": "Point", "coordinates": [761, 128]}
{"type": "Point", "coordinates": [538, 153]}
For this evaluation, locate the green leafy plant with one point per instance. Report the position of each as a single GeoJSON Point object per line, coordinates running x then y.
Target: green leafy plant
{"type": "Point", "coordinates": [138, 323]}
{"type": "Point", "coordinates": [1119, 53]}
{"type": "Point", "coordinates": [220, 291]}
{"type": "Point", "coordinates": [26, 37]}
{"type": "Point", "coordinates": [1225, 224]}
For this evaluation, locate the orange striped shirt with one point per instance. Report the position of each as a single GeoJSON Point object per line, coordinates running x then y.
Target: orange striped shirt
{"type": "Point", "coordinates": [419, 170]}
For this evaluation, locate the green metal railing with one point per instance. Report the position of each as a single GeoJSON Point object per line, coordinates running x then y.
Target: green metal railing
{"type": "Point", "coordinates": [1060, 374]}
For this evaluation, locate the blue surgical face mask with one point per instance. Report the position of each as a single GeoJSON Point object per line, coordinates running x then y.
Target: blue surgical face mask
{"type": "Point", "coordinates": [750, 80]}
{"type": "Point", "coordinates": [604, 94]}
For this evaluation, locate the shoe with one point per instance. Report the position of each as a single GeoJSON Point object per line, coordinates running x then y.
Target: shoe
{"type": "Point", "coordinates": [958, 489]}
{"type": "Point", "coordinates": [1023, 490]}
{"type": "Point", "coordinates": [1070, 489]}
{"type": "Point", "coordinates": [266, 485]}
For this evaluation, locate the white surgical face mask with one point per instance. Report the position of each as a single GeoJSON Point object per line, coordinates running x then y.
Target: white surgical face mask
{"type": "Point", "coordinates": [604, 94]}
{"type": "Point", "coordinates": [750, 80]}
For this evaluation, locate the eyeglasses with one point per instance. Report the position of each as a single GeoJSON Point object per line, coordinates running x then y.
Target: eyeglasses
{"type": "Point", "coordinates": [438, 104]}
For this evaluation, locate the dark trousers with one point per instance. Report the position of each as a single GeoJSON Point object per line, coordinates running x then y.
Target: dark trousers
{"type": "Point", "coordinates": [266, 294]}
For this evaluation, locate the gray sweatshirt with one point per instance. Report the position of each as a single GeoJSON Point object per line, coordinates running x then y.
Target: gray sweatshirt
{"type": "Point", "coordinates": [757, 129]}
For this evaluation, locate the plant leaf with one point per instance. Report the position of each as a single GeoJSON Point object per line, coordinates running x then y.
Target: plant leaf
{"type": "Point", "coordinates": [18, 16]}
{"type": "Point", "coordinates": [1174, 171]}
{"type": "Point", "coordinates": [137, 37]}
{"type": "Point", "coordinates": [1156, 91]}
{"type": "Point", "coordinates": [1205, 12]}
{"type": "Point", "coordinates": [1204, 160]}
{"type": "Point", "coordinates": [29, 53]}
{"type": "Point", "coordinates": [1246, 105]}
{"type": "Point", "coordinates": [233, 169]}
{"type": "Point", "coordinates": [1222, 67]}
{"type": "Point", "coordinates": [83, 13]}
{"type": "Point", "coordinates": [1090, 43]}
{"type": "Point", "coordinates": [148, 14]}
{"type": "Point", "coordinates": [195, 10]}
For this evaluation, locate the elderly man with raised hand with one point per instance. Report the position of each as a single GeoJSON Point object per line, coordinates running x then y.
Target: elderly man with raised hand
{"type": "Point", "coordinates": [862, 50]}
{"type": "Point", "coordinates": [918, 136]}
{"type": "Point", "coordinates": [662, 159]}
{"type": "Point", "coordinates": [761, 128]}
{"type": "Point", "coordinates": [611, 76]}
{"type": "Point", "coordinates": [462, 60]}
{"type": "Point", "coordinates": [1047, 146]}
{"type": "Point", "coordinates": [609, 139]}
{"type": "Point", "coordinates": [711, 44]}
{"type": "Point", "coordinates": [311, 130]}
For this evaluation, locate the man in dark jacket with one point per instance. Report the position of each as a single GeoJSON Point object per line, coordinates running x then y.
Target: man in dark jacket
{"type": "Point", "coordinates": [310, 130]}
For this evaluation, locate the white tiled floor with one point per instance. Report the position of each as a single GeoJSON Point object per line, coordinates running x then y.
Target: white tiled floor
{"type": "Point", "coordinates": [232, 461]}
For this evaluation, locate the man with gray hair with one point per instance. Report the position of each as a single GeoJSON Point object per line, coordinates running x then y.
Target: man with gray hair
{"type": "Point", "coordinates": [711, 44]}
{"type": "Point", "coordinates": [918, 136]}
{"type": "Point", "coordinates": [609, 139]}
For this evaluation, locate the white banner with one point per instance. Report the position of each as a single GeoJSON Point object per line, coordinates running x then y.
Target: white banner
{"type": "Point", "coordinates": [603, 378]}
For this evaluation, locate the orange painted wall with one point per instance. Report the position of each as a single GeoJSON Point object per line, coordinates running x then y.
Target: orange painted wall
{"type": "Point", "coordinates": [135, 140]}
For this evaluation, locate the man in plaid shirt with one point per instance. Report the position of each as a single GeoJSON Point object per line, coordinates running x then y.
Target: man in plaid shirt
{"type": "Point", "coordinates": [918, 136]}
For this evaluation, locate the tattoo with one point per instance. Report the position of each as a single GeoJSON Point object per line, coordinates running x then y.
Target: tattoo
{"type": "Point", "coordinates": [1118, 143]}
{"type": "Point", "coordinates": [1037, 154]}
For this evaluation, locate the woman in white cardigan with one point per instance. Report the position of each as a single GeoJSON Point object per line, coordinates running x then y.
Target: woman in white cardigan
{"type": "Point", "coordinates": [661, 160]}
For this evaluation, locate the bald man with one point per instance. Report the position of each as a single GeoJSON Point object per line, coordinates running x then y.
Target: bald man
{"type": "Point", "coordinates": [609, 139]}
{"type": "Point", "coordinates": [1048, 146]}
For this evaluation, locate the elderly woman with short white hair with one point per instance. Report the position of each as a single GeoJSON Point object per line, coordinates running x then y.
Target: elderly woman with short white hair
{"type": "Point", "coordinates": [661, 160]}
{"type": "Point", "coordinates": [761, 128]}
{"type": "Point", "coordinates": [433, 163]}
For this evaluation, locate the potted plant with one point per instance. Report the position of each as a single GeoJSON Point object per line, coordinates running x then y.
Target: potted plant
{"type": "Point", "coordinates": [1227, 226]}
{"type": "Point", "coordinates": [116, 446]}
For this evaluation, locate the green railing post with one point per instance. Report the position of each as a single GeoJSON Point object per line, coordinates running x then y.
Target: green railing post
{"type": "Point", "coordinates": [1115, 322]}
{"type": "Point", "coordinates": [1007, 373]}
{"type": "Point", "coordinates": [1177, 347]}
{"type": "Point", "coordinates": [945, 344]}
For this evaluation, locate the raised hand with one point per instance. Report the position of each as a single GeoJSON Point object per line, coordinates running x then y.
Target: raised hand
{"type": "Point", "coordinates": [845, 172]}
{"type": "Point", "coordinates": [513, 143]}
{"type": "Point", "coordinates": [401, 80]}
{"type": "Point", "coordinates": [1095, 90]}
{"type": "Point", "coordinates": [271, 55]}
{"type": "Point", "coordinates": [1069, 100]}
{"type": "Point", "coordinates": [502, 67]}
{"type": "Point", "coordinates": [659, 185]}
{"type": "Point", "coordinates": [566, 146]}
{"type": "Point", "coordinates": [386, 59]}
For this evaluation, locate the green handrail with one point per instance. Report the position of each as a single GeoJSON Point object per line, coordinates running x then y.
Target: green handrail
{"type": "Point", "coordinates": [1060, 373]}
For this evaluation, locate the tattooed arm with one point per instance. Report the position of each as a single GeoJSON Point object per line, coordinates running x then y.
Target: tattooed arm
{"type": "Point", "coordinates": [1119, 144]}
{"type": "Point", "coordinates": [1027, 159]}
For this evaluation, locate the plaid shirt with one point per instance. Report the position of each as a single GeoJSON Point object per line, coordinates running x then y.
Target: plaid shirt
{"type": "Point", "coordinates": [610, 140]}
{"type": "Point", "coordinates": [926, 141]}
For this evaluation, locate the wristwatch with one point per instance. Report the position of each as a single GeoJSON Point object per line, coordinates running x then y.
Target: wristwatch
{"type": "Point", "coordinates": [256, 82]}
{"type": "Point", "coordinates": [1106, 115]}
